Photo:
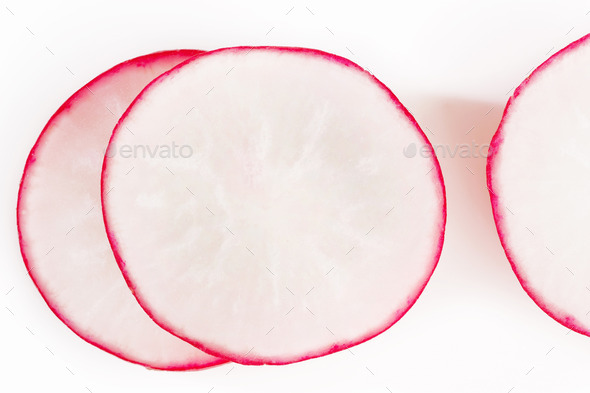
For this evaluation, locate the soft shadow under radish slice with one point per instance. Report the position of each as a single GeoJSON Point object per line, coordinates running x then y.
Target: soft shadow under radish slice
{"type": "Point", "coordinates": [289, 224]}
{"type": "Point", "coordinates": [62, 235]}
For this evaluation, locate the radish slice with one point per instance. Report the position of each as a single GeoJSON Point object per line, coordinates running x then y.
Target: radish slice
{"type": "Point", "coordinates": [62, 235]}
{"type": "Point", "coordinates": [538, 177]}
{"type": "Point", "coordinates": [289, 224]}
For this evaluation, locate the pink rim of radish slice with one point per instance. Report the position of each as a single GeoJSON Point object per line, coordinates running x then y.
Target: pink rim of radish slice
{"type": "Point", "coordinates": [537, 174]}
{"type": "Point", "coordinates": [289, 224]}
{"type": "Point", "coordinates": [61, 230]}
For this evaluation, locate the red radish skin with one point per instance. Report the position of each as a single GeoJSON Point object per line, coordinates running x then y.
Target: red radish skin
{"type": "Point", "coordinates": [116, 87]}
{"type": "Point", "coordinates": [551, 305]}
{"type": "Point", "coordinates": [248, 357]}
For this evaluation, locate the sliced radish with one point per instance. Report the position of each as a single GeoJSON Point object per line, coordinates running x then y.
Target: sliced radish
{"type": "Point", "coordinates": [62, 235]}
{"type": "Point", "coordinates": [289, 225]}
{"type": "Point", "coordinates": [539, 182]}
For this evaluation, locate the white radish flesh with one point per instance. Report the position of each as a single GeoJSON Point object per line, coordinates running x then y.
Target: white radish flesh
{"type": "Point", "coordinates": [289, 225]}
{"type": "Point", "coordinates": [61, 229]}
{"type": "Point", "coordinates": [539, 182]}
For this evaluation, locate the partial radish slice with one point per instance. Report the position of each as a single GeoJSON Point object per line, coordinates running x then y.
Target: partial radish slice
{"type": "Point", "coordinates": [289, 225]}
{"type": "Point", "coordinates": [539, 181]}
{"type": "Point", "coordinates": [62, 235]}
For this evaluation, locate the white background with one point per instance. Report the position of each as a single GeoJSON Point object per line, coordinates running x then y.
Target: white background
{"type": "Point", "coordinates": [453, 64]}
